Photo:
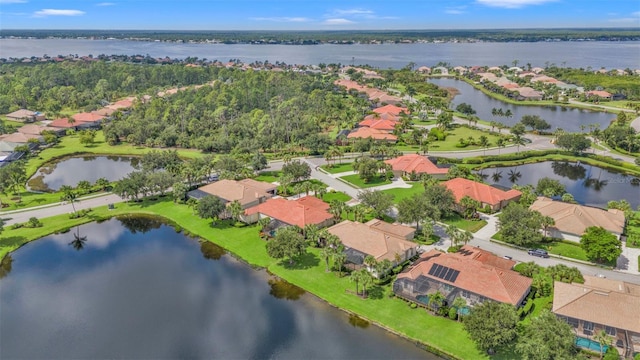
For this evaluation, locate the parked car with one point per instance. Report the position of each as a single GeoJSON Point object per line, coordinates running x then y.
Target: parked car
{"type": "Point", "coordinates": [508, 257]}
{"type": "Point", "coordinates": [539, 252]}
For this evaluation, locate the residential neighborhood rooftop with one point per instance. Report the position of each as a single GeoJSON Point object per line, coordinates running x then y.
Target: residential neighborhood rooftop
{"type": "Point", "coordinates": [415, 163]}
{"type": "Point", "coordinates": [478, 191]}
{"type": "Point", "coordinates": [576, 218]}
{"type": "Point", "coordinates": [243, 191]}
{"type": "Point", "coordinates": [301, 212]}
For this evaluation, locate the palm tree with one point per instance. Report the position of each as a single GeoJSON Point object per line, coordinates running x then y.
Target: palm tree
{"type": "Point", "coordinates": [484, 143]}
{"type": "Point", "coordinates": [235, 209]}
{"type": "Point", "coordinates": [436, 300]}
{"type": "Point", "coordinates": [312, 233]}
{"type": "Point", "coordinates": [68, 195]}
{"type": "Point", "coordinates": [366, 278]}
{"type": "Point", "coordinates": [355, 277]}
{"type": "Point", "coordinates": [459, 303]}
{"type": "Point", "coordinates": [514, 175]}
{"type": "Point", "coordinates": [452, 232]}
{"type": "Point", "coordinates": [336, 207]}
{"type": "Point", "coordinates": [603, 340]}
{"type": "Point", "coordinates": [325, 254]}
{"type": "Point", "coordinates": [519, 140]}
{"type": "Point", "coordinates": [500, 143]}
{"type": "Point", "coordinates": [339, 258]}
{"type": "Point", "coordinates": [370, 262]}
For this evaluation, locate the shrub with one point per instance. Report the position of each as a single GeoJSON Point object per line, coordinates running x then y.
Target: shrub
{"type": "Point", "coordinates": [453, 249]}
{"type": "Point", "coordinates": [33, 222]}
{"type": "Point", "coordinates": [453, 313]}
{"type": "Point", "coordinates": [413, 305]}
{"type": "Point", "coordinates": [16, 226]}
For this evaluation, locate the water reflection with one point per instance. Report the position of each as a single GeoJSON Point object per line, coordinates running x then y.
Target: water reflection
{"type": "Point", "coordinates": [569, 119]}
{"type": "Point", "coordinates": [72, 170]}
{"type": "Point", "coordinates": [154, 295]}
{"type": "Point", "coordinates": [281, 289]}
{"type": "Point", "coordinates": [590, 185]}
{"type": "Point", "coordinates": [78, 240]}
{"type": "Point", "coordinates": [357, 321]}
{"type": "Point", "coordinates": [5, 266]}
{"type": "Point", "coordinates": [211, 251]}
{"type": "Point", "coordinates": [140, 223]}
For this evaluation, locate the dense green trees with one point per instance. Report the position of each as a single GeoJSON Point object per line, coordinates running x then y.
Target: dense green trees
{"type": "Point", "coordinates": [519, 225]}
{"type": "Point", "coordinates": [549, 187]}
{"type": "Point", "coordinates": [546, 338]}
{"type": "Point", "coordinates": [600, 245]}
{"type": "Point", "coordinates": [287, 244]}
{"type": "Point", "coordinates": [210, 207]}
{"type": "Point", "coordinates": [491, 325]}
{"type": "Point", "coordinates": [573, 142]}
{"type": "Point", "coordinates": [378, 201]}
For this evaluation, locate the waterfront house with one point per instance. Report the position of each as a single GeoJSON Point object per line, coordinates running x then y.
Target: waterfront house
{"type": "Point", "coordinates": [598, 95]}
{"type": "Point", "coordinates": [601, 304]}
{"type": "Point", "coordinates": [376, 238]}
{"type": "Point", "coordinates": [300, 212]}
{"type": "Point", "coordinates": [471, 273]}
{"type": "Point", "coordinates": [527, 93]}
{"type": "Point", "coordinates": [379, 124]}
{"type": "Point", "coordinates": [247, 192]}
{"type": "Point", "coordinates": [391, 109]}
{"type": "Point", "coordinates": [487, 195]}
{"type": "Point", "coordinates": [572, 220]}
{"type": "Point", "coordinates": [406, 165]}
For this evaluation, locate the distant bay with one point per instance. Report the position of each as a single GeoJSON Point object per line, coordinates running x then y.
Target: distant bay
{"type": "Point", "coordinates": [594, 54]}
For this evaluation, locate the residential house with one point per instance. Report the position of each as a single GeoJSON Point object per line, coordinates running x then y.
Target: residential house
{"type": "Point", "coordinates": [379, 124]}
{"type": "Point", "coordinates": [471, 273]}
{"type": "Point", "coordinates": [376, 238]}
{"type": "Point", "coordinates": [32, 129]}
{"type": "Point", "coordinates": [406, 165]}
{"type": "Point", "coordinates": [598, 94]}
{"type": "Point", "coordinates": [375, 134]}
{"type": "Point", "coordinates": [391, 109]}
{"type": "Point", "coordinates": [88, 120]}
{"type": "Point", "coordinates": [20, 138]}
{"type": "Point", "coordinates": [8, 153]}
{"type": "Point", "coordinates": [424, 70]}
{"type": "Point", "coordinates": [487, 195]}
{"type": "Point", "coordinates": [527, 93]}
{"type": "Point", "coordinates": [381, 116]}
{"type": "Point", "coordinates": [300, 212]}
{"type": "Point", "coordinates": [24, 115]}
{"type": "Point", "coordinates": [572, 220]}
{"type": "Point", "coordinates": [247, 192]}
{"type": "Point", "coordinates": [601, 304]}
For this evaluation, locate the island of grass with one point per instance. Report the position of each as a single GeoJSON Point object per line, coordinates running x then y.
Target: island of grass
{"type": "Point", "coordinates": [356, 181]}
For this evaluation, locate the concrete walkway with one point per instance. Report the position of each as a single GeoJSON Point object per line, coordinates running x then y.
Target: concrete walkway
{"type": "Point", "coordinates": [636, 124]}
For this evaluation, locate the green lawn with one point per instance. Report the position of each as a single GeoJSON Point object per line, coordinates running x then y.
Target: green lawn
{"type": "Point", "coordinates": [464, 224]}
{"type": "Point", "coordinates": [308, 273]}
{"type": "Point", "coordinates": [359, 183]}
{"type": "Point", "coordinates": [633, 230]}
{"type": "Point", "coordinates": [568, 250]}
{"type": "Point", "coordinates": [401, 193]}
{"type": "Point", "coordinates": [30, 199]}
{"type": "Point", "coordinates": [269, 176]}
{"type": "Point", "coordinates": [454, 135]}
{"type": "Point", "coordinates": [338, 168]}
{"type": "Point", "coordinates": [336, 195]}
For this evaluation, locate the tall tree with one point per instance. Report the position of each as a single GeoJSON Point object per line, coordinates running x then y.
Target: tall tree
{"type": "Point", "coordinates": [210, 207]}
{"type": "Point", "coordinates": [519, 225]}
{"type": "Point", "coordinates": [378, 201]}
{"type": "Point", "coordinates": [546, 338]}
{"type": "Point", "coordinates": [491, 325]}
{"type": "Point", "coordinates": [70, 195]}
{"type": "Point", "coordinates": [287, 244]}
{"type": "Point", "coordinates": [600, 245]}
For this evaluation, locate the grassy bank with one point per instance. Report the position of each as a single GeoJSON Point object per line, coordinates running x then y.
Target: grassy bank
{"type": "Point", "coordinates": [440, 334]}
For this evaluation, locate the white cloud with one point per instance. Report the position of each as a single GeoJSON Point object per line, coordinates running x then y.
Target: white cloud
{"type": "Point", "coordinates": [632, 18]}
{"type": "Point", "coordinates": [57, 12]}
{"type": "Point", "coordinates": [512, 4]}
{"type": "Point", "coordinates": [282, 19]}
{"type": "Point", "coordinates": [353, 12]}
{"type": "Point", "coordinates": [455, 10]}
{"type": "Point", "coordinates": [13, 1]}
{"type": "Point", "coordinates": [338, 21]}
{"type": "Point", "coordinates": [105, 4]}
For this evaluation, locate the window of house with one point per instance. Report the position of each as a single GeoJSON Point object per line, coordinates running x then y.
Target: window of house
{"type": "Point", "coordinates": [610, 330]}
{"type": "Point", "coordinates": [571, 321]}
{"type": "Point", "coordinates": [465, 294]}
{"type": "Point", "coordinates": [587, 325]}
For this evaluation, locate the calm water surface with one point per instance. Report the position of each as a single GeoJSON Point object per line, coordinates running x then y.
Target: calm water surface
{"type": "Point", "coordinates": [572, 54]}
{"type": "Point", "coordinates": [139, 290]}
{"type": "Point", "coordinates": [589, 185]}
{"type": "Point", "coordinates": [70, 171]}
{"type": "Point", "coordinates": [568, 119]}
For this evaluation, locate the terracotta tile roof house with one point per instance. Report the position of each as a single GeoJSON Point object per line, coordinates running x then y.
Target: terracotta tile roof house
{"type": "Point", "coordinates": [373, 94]}
{"type": "Point", "coordinates": [527, 93]}
{"type": "Point", "coordinates": [475, 275]}
{"type": "Point", "coordinates": [122, 104]}
{"type": "Point", "coordinates": [19, 137]}
{"type": "Point", "coordinates": [403, 231]}
{"type": "Point", "coordinates": [571, 220]}
{"type": "Point", "coordinates": [61, 123]}
{"type": "Point", "coordinates": [414, 163]}
{"type": "Point", "coordinates": [382, 116]}
{"type": "Point", "coordinates": [424, 69]}
{"type": "Point", "coordinates": [391, 109]}
{"type": "Point", "coordinates": [601, 304]}
{"type": "Point", "coordinates": [32, 129]}
{"type": "Point", "coordinates": [365, 133]}
{"type": "Point", "coordinates": [87, 117]}
{"type": "Point", "coordinates": [598, 93]}
{"type": "Point", "coordinates": [105, 111]}
{"type": "Point", "coordinates": [485, 194]}
{"type": "Point", "coordinates": [24, 115]}
{"type": "Point", "coordinates": [301, 212]}
{"type": "Point", "coordinates": [248, 192]}
{"type": "Point", "coordinates": [380, 124]}
{"type": "Point", "coordinates": [375, 239]}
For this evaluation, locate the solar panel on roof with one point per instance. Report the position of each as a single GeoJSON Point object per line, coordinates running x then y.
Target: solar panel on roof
{"type": "Point", "coordinates": [455, 276]}
{"type": "Point", "coordinates": [442, 271]}
{"type": "Point", "coordinates": [448, 275]}
{"type": "Point", "coordinates": [433, 269]}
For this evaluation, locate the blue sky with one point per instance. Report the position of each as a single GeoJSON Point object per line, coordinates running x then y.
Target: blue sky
{"type": "Point", "coordinates": [316, 14]}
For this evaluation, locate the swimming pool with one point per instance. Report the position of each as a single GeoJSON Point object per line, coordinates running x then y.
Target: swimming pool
{"type": "Point", "coordinates": [590, 344]}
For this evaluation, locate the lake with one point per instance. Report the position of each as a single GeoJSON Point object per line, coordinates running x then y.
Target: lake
{"type": "Point", "coordinates": [137, 289]}
{"type": "Point", "coordinates": [589, 185]}
{"type": "Point", "coordinates": [595, 54]}
{"type": "Point", "coordinates": [569, 119]}
{"type": "Point", "coordinates": [70, 171]}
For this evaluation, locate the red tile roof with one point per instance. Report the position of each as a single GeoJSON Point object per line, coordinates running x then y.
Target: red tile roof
{"type": "Point", "coordinates": [391, 109]}
{"type": "Point", "coordinates": [301, 212]}
{"type": "Point", "coordinates": [387, 125]}
{"type": "Point", "coordinates": [599, 93]}
{"type": "Point", "coordinates": [478, 191]}
{"type": "Point", "coordinates": [382, 116]}
{"type": "Point", "coordinates": [375, 134]}
{"type": "Point", "coordinates": [478, 274]}
{"type": "Point", "coordinates": [61, 123]}
{"type": "Point", "coordinates": [415, 163]}
{"type": "Point", "coordinates": [87, 117]}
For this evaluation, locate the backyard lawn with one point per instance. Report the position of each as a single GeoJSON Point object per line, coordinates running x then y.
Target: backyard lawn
{"type": "Point", "coordinates": [464, 224]}
{"type": "Point", "coordinates": [336, 195]}
{"type": "Point", "coordinates": [268, 176]}
{"type": "Point", "coordinates": [359, 183]}
{"type": "Point", "coordinates": [462, 132]}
